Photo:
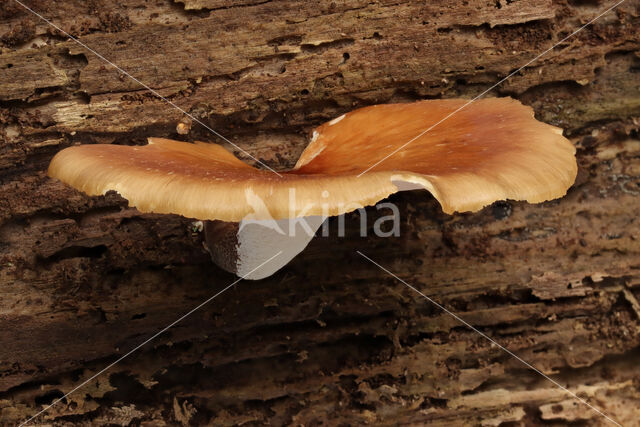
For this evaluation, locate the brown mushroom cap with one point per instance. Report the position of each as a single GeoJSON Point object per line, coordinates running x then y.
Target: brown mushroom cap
{"type": "Point", "coordinates": [493, 149]}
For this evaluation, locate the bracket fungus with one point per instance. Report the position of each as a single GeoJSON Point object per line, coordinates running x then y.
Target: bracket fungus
{"type": "Point", "coordinates": [492, 149]}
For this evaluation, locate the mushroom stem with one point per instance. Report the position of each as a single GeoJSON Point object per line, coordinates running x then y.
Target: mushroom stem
{"type": "Point", "coordinates": [221, 240]}
{"type": "Point", "coordinates": [494, 149]}
{"type": "Point", "coordinates": [240, 247]}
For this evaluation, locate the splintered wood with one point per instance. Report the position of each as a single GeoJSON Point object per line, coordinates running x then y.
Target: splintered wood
{"type": "Point", "coordinates": [331, 338]}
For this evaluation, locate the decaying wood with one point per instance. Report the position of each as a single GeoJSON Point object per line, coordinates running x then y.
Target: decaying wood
{"type": "Point", "coordinates": [331, 338]}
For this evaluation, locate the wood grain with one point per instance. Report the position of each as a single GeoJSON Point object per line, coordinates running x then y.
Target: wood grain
{"type": "Point", "coordinates": [330, 339]}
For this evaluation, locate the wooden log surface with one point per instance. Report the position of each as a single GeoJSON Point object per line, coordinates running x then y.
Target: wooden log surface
{"type": "Point", "coordinates": [330, 339]}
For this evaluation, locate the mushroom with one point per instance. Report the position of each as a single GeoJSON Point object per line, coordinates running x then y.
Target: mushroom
{"type": "Point", "coordinates": [492, 149]}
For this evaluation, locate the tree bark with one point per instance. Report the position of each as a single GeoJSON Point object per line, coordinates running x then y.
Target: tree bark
{"type": "Point", "coordinates": [331, 338]}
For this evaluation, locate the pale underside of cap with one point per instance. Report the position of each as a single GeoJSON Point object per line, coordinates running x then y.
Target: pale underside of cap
{"type": "Point", "coordinates": [492, 149]}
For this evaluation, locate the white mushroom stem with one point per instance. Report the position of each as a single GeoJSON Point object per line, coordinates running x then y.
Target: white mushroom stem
{"type": "Point", "coordinates": [240, 247]}
{"type": "Point", "coordinates": [494, 149]}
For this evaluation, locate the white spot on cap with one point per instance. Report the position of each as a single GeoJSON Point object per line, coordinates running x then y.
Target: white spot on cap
{"type": "Point", "coordinates": [336, 120]}
{"type": "Point", "coordinates": [314, 136]}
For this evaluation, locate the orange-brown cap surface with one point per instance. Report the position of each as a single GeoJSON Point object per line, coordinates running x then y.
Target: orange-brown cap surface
{"type": "Point", "coordinates": [493, 149]}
